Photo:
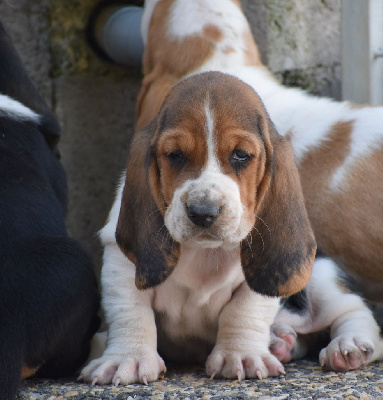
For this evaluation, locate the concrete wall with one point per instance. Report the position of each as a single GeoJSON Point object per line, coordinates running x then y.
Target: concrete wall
{"type": "Point", "coordinates": [300, 41]}
{"type": "Point", "coordinates": [95, 101]}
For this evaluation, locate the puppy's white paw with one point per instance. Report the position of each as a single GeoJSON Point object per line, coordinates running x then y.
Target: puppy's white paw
{"type": "Point", "coordinates": [239, 365]}
{"type": "Point", "coordinates": [143, 367]}
{"type": "Point", "coordinates": [347, 352]}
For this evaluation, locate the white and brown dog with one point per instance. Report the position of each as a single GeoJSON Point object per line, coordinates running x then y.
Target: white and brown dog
{"type": "Point", "coordinates": [211, 207]}
{"type": "Point", "coordinates": [211, 200]}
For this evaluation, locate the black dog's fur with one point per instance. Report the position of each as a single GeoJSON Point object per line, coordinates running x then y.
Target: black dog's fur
{"type": "Point", "coordinates": [48, 291]}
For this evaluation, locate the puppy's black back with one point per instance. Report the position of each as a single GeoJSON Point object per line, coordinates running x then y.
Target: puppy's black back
{"type": "Point", "coordinates": [33, 184]}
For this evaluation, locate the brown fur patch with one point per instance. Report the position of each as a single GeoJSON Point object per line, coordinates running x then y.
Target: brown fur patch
{"type": "Point", "coordinates": [212, 33]}
{"type": "Point", "coordinates": [252, 55]}
{"type": "Point", "coordinates": [321, 163]}
{"type": "Point", "coordinates": [27, 372]}
{"type": "Point", "coordinates": [190, 143]}
{"type": "Point", "coordinates": [300, 278]}
{"type": "Point", "coordinates": [238, 3]}
{"type": "Point", "coordinates": [347, 223]}
{"type": "Point", "coordinates": [152, 94]}
{"type": "Point", "coordinates": [229, 50]}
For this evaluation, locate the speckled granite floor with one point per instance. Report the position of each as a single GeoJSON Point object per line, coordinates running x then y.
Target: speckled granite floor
{"type": "Point", "coordinates": [303, 380]}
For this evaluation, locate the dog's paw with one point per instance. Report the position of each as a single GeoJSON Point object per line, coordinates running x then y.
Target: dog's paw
{"type": "Point", "coordinates": [283, 341]}
{"type": "Point", "coordinates": [240, 365]}
{"type": "Point", "coordinates": [346, 352]}
{"type": "Point", "coordinates": [124, 369]}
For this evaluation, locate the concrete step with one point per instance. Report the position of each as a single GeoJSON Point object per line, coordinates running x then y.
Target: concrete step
{"type": "Point", "coordinates": [303, 380]}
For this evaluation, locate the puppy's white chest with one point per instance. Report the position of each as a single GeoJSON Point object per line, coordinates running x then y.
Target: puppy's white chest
{"type": "Point", "coordinates": [189, 302]}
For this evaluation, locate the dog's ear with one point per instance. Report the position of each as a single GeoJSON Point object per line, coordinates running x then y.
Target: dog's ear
{"type": "Point", "coordinates": [15, 83]}
{"type": "Point", "coordinates": [141, 233]}
{"type": "Point", "coordinates": [278, 254]}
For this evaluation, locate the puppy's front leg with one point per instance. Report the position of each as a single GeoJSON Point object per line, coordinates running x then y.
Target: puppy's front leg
{"type": "Point", "coordinates": [241, 349]}
{"type": "Point", "coordinates": [131, 352]}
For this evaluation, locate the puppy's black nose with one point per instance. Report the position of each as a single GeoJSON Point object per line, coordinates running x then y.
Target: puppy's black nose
{"type": "Point", "coordinates": [203, 214]}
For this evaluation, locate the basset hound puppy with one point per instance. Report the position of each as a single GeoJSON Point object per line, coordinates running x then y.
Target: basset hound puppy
{"type": "Point", "coordinates": [212, 229]}
{"type": "Point", "coordinates": [48, 291]}
{"type": "Point", "coordinates": [208, 227]}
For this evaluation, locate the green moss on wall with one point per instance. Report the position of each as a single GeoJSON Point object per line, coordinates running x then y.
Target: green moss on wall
{"type": "Point", "coordinates": [70, 51]}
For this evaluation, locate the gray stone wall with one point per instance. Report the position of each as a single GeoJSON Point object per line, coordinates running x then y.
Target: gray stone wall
{"type": "Point", "coordinates": [300, 41]}
{"type": "Point", "coordinates": [94, 101]}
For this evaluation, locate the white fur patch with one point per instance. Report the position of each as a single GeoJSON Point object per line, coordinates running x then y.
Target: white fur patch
{"type": "Point", "coordinates": [16, 110]}
{"type": "Point", "coordinates": [216, 273]}
{"type": "Point", "coordinates": [107, 233]}
{"type": "Point", "coordinates": [192, 17]}
{"type": "Point", "coordinates": [212, 162]}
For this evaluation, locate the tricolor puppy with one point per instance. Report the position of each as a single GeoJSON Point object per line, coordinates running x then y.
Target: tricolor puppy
{"type": "Point", "coordinates": [48, 292]}
{"type": "Point", "coordinates": [337, 146]}
{"type": "Point", "coordinates": [212, 224]}
{"type": "Point", "coordinates": [202, 176]}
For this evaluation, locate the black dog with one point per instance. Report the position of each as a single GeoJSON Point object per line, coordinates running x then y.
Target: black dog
{"type": "Point", "coordinates": [48, 291]}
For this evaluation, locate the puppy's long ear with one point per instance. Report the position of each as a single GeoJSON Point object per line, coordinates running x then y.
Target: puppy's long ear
{"type": "Point", "coordinates": [278, 254]}
{"type": "Point", "coordinates": [141, 233]}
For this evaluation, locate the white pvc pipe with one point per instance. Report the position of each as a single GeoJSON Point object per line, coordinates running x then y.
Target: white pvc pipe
{"type": "Point", "coordinates": [118, 33]}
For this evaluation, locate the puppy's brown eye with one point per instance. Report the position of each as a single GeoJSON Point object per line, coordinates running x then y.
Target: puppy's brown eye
{"type": "Point", "coordinates": [176, 158]}
{"type": "Point", "coordinates": [239, 160]}
{"type": "Point", "coordinates": [240, 155]}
